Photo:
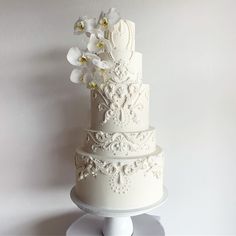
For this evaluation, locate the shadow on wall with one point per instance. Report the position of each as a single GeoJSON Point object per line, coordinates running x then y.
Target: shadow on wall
{"type": "Point", "coordinates": [44, 111]}
{"type": "Point", "coordinates": [59, 111]}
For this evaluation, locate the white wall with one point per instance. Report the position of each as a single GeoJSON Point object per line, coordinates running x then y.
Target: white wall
{"type": "Point", "coordinates": [189, 50]}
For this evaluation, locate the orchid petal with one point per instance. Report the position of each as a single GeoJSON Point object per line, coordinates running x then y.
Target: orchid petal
{"type": "Point", "coordinates": [108, 20]}
{"type": "Point", "coordinates": [98, 44]}
{"type": "Point", "coordinates": [93, 40]}
{"type": "Point", "coordinates": [81, 19]}
{"type": "Point", "coordinates": [91, 56]}
{"type": "Point", "coordinates": [88, 77]}
{"type": "Point", "coordinates": [73, 55]}
{"type": "Point", "coordinates": [75, 76]}
{"type": "Point", "coordinates": [102, 14]}
{"type": "Point", "coordinates": [89, 25]}
{"type": "Point", "coordinates": [100, 33]}
{"type": "Point", "coordinates": [108, 45]}
{"type": "Point", "coordinates": [101, 64]}
{"type": "Point", "coordinates": [113, 16]}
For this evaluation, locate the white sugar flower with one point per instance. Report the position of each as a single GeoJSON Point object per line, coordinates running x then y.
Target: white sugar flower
{"type": "Point", "coordinates": [83, 76]}
{"type": "Point", "coordinates": [98, 44]}
{"type": "Point", "coordinates": [76, 76]}
{"type": "Point", "coordinates": [104, 65]}
{"type": "Point", "coordinates": [102, 71]}
{"type": "Point", "coordinates": [78, 58]}
{"type": "Point", "coordinates": [85, 25]}
{"type": "Point", "coordinates": [107, 20]}
{"type": "Point", "coordinates": [101, 76]}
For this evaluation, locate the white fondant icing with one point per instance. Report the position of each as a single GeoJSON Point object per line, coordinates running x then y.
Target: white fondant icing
{"type": "Point", "coordinates": [119, 166]}
{"type": "Point", "coordinates": [116, 184]}
{"type": "Point", "coordinates": [122, 35]}
{"type": "Point", "coordinates": [127, 65]}
{"type": "Point", "coordinates": [120, 108]}
{"type": "Point", "coordinates": [120, 144]}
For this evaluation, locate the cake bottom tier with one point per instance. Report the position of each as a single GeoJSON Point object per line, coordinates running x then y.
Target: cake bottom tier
{"type": "Point", "coordinates": [119, 184]}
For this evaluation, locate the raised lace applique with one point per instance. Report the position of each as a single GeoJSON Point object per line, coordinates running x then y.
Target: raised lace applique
{"type": "Point", "coordinates": [120, 143]}
{"type": "Point", "coordinates": [118, 173]}
{"type": "Point", "coordinates": [121, 103]}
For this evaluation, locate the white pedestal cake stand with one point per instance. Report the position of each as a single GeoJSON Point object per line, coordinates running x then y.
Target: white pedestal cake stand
{"type": "Point", "coordinates": [114, 222]}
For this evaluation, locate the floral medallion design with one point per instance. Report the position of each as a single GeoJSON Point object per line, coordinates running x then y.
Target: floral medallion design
{"type": "Point", "coordinates": [121, 102]}
{"type": "Point", "coordinates": [118, 174]}
{"type": "Point", "coordinates": [121, 143]}
{"type": "Point", "coordinates": [121, 72]}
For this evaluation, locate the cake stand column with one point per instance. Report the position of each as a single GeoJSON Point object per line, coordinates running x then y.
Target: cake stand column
{"type": "Point", "coordinates": [115, 222]}
{"type": "Point", "coordinates": [116, 226]}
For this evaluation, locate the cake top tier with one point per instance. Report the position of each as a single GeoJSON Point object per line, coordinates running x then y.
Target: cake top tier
{"type": "Point", "coordinates": [122, 35]}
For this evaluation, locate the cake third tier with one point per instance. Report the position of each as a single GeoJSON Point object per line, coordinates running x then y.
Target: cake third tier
{"type": "Point", "coordinates": [120, 144]}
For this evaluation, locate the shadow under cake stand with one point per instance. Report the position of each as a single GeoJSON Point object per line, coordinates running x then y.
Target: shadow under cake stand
{"type": "Point", "coordinates": [105, 222]}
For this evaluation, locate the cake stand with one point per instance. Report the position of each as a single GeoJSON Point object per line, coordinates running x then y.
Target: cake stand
{"type": "Point", "coordinates": [105, 222]}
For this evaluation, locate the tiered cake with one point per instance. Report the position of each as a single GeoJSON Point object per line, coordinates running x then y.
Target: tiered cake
{"type": "Point", "coordinates": [119, 165]}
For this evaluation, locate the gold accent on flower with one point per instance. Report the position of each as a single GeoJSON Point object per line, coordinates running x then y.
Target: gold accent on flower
{"type": "Point", "coordinates": [102, 70]}
{"type": "Point", "coordinates": [82, 79]}
{"type": "Point", "coordinates": [80, 26]}
{"type": "Point", "coordinates": [92, 85]}
{"type": "Point", "coordinates": [83, 59]}
{"type": "Point", "coordinates": [104, 22]}
{"type": "Point", "coordinates": [100, 44]}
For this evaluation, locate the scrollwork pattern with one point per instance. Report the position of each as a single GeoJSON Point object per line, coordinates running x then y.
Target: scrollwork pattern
{"type": "Point", "coordinates": [121, 143]}
{"type": "Point", "coordinates": [121, 73]}
{"type": "Point", "coordinates": [118, 173]}
{"type": "Point", "coordinates": [121, 102]}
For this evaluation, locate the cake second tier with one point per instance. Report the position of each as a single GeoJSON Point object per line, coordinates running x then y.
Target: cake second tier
{"type": "Point", "coordinates": [120, 107]}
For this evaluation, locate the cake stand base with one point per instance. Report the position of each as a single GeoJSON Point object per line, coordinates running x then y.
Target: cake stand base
{"type": "Point", "coordinates": [115, 223]}
{"type": "Point", "coordinates": [90, 225]}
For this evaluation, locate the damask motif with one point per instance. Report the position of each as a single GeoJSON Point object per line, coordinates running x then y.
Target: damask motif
{"type": "Point", "coordinates": [122, 72]}
{"type": "Point", "coordinates": [121, 102]}
{"type": "Point", "coordinates": [121, 143]}
{"type": "Point", "coordinates": [118, 173]}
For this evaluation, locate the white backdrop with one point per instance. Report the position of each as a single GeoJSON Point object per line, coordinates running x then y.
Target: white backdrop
{"type": "Point", "coordinates": [189, 58]}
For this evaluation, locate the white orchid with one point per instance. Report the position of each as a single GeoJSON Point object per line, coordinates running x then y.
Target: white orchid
{"type": "Point", "coordinates": [83, 76]}
{"type": "Point", "coordinates": [76, 76]}
{"type": "Point", "coordinates": [98, 44]}
{"type": "Point", "coordinates": [108, 20]}
{"type": "Point", "coordinates": [104, 65]}
{"type": "Point", "coordinates": [88, 66]}
{"type": "Point", "coordinates": [101, 76]}
{"type": "Point", "coordinates": [91, 80]}
{"type": "Point", "coordinates": [102, 71]}
{"type": "Point", "coordinates": [85, 25]}
{"type": "Point", "coordinates": [91, 69]}
{"type": "Point", "coordinates": [84, 73]}
{"type": "Point", "coordinates": [86, 77]}
{"type": "Point", "coordinates": [76, 57]}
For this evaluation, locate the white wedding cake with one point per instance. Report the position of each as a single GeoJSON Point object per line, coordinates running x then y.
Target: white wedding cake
{"type": "Point", "coordinates": [119, 166]}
